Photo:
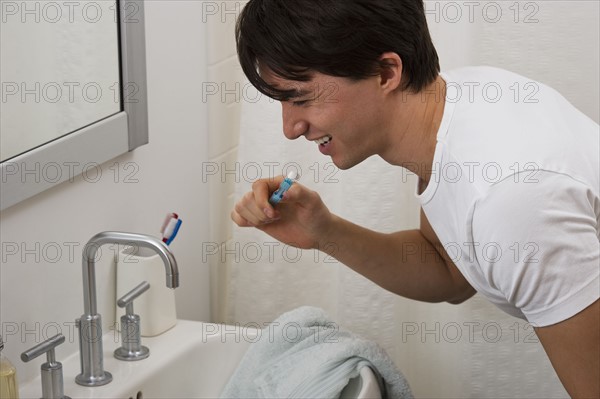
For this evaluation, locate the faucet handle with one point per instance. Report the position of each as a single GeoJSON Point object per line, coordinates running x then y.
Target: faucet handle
{"type": "Point", "coordinates": [52, 376]}
{"type": "Point", "coordinates": [131, 337]}
{"type": "Point", "coordinates": [126, 301]}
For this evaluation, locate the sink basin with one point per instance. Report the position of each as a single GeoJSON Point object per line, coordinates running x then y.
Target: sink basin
{"type": "Point", "coordinates": [191, 360]}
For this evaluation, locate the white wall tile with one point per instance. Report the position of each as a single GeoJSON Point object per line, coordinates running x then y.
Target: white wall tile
{"type": "Point", "coordinates": [223, 127]}
{"type": "Point", "coordinates": [221, 186]}
{"type": "Point", "coordinates": [220, 17]}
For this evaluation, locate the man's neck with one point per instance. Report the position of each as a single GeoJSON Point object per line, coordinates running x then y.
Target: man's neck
{"type": "Point", "coordinates": [412, 136]}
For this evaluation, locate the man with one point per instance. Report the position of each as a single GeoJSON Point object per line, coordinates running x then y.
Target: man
{"type": "Point", "coordinates": [515, 184]}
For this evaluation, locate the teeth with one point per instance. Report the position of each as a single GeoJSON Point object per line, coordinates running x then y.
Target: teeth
{"type": "Point", "coordinates": [324, 140]}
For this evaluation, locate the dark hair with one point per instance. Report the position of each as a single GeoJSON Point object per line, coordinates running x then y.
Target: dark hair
{"type": "Point", "coordinates": [342, 38]}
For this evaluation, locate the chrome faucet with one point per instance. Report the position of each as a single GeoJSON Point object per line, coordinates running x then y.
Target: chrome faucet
{"type": "Point", "coordinates": [90, 324]}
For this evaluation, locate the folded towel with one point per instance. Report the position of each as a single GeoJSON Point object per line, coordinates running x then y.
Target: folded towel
{"type": "Point", "coordinates": [303, 354]}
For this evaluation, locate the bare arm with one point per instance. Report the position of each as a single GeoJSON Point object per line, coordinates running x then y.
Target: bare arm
{"type": "Point", "coordinates": [573, 347]}
{"type": "Point", "coordinates": [405, 262]}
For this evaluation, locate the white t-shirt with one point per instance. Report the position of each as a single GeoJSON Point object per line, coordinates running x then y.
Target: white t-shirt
{"type": "Point", "coordinates": [514, 194]}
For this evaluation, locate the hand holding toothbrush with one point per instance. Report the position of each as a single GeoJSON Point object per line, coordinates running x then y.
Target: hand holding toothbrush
{"type": "Point", "coordinates": [299, 217]}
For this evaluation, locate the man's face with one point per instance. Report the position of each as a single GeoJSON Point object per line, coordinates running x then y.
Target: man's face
{"type": "Point", "coordinates": [342, 117]}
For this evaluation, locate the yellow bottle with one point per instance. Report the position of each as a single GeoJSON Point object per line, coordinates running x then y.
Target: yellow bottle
{"type": "Point", "coordinates": [8, 377]}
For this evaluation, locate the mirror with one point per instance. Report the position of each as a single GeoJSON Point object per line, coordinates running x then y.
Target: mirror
{"type": "Point", "coordinates": [73, 90]}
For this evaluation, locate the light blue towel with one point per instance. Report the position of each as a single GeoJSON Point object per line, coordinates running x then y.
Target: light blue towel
{"type": "Point", "coordinates": [303, 354]}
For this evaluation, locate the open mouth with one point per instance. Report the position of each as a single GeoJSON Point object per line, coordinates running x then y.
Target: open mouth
{"type": "Point", "coordinates": [324, 140]}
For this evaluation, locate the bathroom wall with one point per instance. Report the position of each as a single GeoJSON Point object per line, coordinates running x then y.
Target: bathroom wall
{"type": "Point", "coordinates": [225, 91]}
{"type": "Point", "coordinates": [42, 238]}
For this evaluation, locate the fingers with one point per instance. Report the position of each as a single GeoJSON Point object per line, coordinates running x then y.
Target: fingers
{"type": "Point", "coordinates": [253, 209]}
{"type": "Point", "coordinates": [301, 195]}
{"type": "Point", "coordinates": [262, 190]}
{"type": "Point", "coordinates": [240, 221]}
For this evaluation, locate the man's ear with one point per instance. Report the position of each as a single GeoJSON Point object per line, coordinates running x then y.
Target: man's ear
{"type": "Point", "coordinates": [390, 71]}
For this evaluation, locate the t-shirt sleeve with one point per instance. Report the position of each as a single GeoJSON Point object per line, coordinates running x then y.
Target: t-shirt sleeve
{"type": "Point", "coordinates": [537, 241]}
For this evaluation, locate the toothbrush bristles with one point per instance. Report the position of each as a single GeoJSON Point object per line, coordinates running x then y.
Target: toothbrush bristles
{"type": "Point", "coordinates": [293, 175]}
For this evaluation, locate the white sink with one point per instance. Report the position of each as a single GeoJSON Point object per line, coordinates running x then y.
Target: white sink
{"type": "Point", "coordinates": [191, 360]}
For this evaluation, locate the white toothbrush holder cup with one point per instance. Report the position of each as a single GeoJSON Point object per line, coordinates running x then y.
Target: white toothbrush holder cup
{"type": "Point", "coordinates": [156, 307]}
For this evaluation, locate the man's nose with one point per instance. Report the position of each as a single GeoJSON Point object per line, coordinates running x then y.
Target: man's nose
{"type": "Point", "coordinates": [294, 125]}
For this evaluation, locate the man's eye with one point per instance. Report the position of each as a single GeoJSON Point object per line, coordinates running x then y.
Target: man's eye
{"type": "Point", "coordinates": [300, 103]}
